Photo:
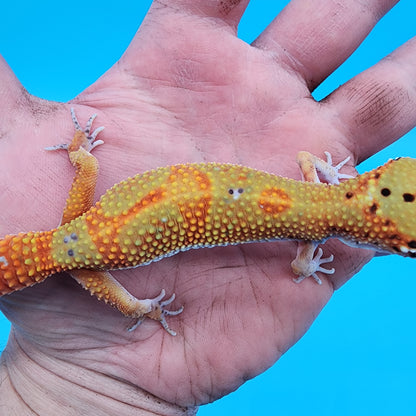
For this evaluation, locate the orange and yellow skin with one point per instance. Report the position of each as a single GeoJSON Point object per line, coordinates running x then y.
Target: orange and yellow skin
{"type": "Point", "coordinates": [161, 212]}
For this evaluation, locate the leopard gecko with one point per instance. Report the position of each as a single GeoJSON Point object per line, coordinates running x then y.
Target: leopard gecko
{"type": "Point", "coordinates": [161, 212]}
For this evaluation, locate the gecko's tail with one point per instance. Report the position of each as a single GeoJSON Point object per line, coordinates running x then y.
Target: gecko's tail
{"type": "Point", "coordinates": [25, 259]}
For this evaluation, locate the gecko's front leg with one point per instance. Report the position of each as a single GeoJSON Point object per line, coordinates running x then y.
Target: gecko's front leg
{"type": "Point", "coordinates": [307, 263]}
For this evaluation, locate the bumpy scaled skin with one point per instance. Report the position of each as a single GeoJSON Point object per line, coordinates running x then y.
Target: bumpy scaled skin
{"type": "Point", "coordinates": [161, 212]}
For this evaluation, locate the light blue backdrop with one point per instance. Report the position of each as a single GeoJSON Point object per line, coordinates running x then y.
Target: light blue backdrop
{"type": "Point", "coordinates": [358, 358]}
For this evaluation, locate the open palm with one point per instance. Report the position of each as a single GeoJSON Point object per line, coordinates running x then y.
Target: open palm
{"type": "Point", "coordinates": [188, 90]}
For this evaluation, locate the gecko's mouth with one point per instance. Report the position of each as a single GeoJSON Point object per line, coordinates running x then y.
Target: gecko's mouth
{"type": "Point", "coordinates": [411, 252]}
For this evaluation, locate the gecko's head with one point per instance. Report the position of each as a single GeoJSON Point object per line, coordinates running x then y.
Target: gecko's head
{"type": "Point", "coordinates": [393, 191]}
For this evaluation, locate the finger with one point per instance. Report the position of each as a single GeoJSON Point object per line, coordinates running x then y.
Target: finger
{"type": "Point", "coordinates": [216, 11]}
{"type": "Point", "coordinates": [17, 106]}
{"type": "Point", "coordinates": [177, 30]}
{"type": "Point", "coordinates": [10, 90]}
{"type": "Point", "coordinates": [315, 37]}
{"type": "Point", "coordinates": [378, 106]}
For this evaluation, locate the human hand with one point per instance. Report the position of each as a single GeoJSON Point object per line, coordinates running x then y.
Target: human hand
{"type": "Point", "coordinates": [188, 90]}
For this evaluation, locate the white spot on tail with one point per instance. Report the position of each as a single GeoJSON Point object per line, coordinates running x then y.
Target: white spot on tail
{"type": "Point", "coordinates": [3, 260]}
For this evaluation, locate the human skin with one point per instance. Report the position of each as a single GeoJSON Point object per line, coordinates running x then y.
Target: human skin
{"type": "Point", "coordinates": [188, 90]}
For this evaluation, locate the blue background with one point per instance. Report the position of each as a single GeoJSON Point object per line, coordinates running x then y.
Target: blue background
{"type": "Point", "coordinates": [359, 356]}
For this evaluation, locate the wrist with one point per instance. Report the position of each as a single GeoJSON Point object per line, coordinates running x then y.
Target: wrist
{"type": "Point", "coordinates": [32, 383]}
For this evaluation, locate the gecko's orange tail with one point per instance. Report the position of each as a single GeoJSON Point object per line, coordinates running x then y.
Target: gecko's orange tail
{"type": "Point", "coordinates": [25, 259]}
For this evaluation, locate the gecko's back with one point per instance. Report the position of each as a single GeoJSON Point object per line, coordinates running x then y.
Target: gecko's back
{"type": "Point", "coordinates": [176, 208]}
{"type": "Point", "coordinates": [161, 212]}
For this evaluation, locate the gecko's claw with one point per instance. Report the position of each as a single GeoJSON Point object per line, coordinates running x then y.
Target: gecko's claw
{"type": "Point", "coordinates": [307, 263]}
{"type": "Point", "coordinates": [333, 171]}
{"type": "Point", "coordinates": [158, 312]}
{"type": "Point", "coordinates": [61, 146]}
{"type": "Point", "coordinates": [91, 137]}
{"type": "Point", "coordinates": [87, 140]}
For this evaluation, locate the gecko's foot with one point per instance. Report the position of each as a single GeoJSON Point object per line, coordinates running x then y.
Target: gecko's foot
{"type": "Point", "coordinates": [307, 264]}
{"type": "Point", "coordinates": [158, 312]}
{"type": "Point", "coordinates": [331, 173]}
{"type": "Point", "coordinates": [86, 139]}
{"type": "Point", "coordinates": [310, 165]}
{"type": "Point", "coordinates": [91, 137]}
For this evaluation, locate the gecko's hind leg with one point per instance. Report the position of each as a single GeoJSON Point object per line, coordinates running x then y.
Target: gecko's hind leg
{"type": "Point", "coordinates": [81, 194]}
{"type": "Point", "coordinates": [104, 286]}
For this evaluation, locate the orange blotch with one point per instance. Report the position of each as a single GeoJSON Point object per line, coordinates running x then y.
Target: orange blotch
{"type": "Point", "coordinates": [104, 230]}
{"type": "Point", "coordinates": [274, 200]}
